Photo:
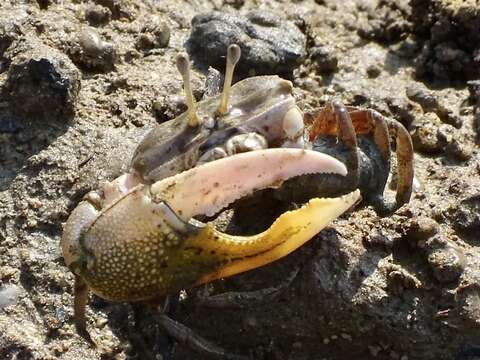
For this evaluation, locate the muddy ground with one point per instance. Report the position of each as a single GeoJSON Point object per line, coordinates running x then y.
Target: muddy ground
{"type": "Point", "coordinates": [82, 81]}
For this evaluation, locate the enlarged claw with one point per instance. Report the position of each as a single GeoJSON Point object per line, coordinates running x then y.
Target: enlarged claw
{"type": "Point", "coordinates": [146, 243]}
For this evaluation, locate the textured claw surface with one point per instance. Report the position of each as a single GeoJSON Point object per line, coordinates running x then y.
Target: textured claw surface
{"type": "Point", "coordinates": [144, 242]}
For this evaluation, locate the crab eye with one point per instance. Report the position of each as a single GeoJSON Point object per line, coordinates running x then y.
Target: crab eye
{"type": "Point", "coordinates": [293, 124]}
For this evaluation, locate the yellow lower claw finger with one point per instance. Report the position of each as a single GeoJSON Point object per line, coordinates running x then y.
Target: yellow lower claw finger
{"type": "Point", "coordinates": [236, 254]}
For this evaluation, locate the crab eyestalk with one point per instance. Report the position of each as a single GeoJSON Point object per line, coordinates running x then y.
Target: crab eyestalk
{"type": "Point", "coordinates": [233, 55]}
{"type": "Point", "coordinates": [183, 66]}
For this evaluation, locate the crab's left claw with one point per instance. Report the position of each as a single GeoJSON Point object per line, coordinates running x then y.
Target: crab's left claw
{"type": "Point", "coordinates": [146, 243]}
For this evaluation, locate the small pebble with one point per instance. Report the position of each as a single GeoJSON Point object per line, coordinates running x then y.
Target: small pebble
{"type": "Point", "coordinates": [92, 52]}
{"type": "Point", "coordinates": [97, 15]}
{"type": "Point", "coordinates": [425, 136]}
{"type": "Point", "coordinates": [466, 216]}
{"type": "Point", "coordinates": [153, 34]}
{"type": "Point", "coordinates": [325, 59]}
{"type": "Point", "coordinates": [373, 71]}
{"type": "Point", "coordinates": [9, 295]}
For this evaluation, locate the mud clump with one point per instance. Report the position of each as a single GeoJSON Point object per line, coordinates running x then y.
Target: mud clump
{"type": "Point", "coordinates": [41, 81]}
{"type": "Point", "coordinates": [446, 261]}
{"type": "Point", "coordinates": [450, 30]}
{"type": "Point", "coordinates": [269, 43]}
{"type": "Point", "coordinates": [419, 93]}
{"type": "Point", "coordinates": [388, 22]}
{"type": "Point", "coordinates": [154, 33]}
{"type": "Point", "coordinates": [467, 214]}
{"type": "Point", "coordinates": [91, 52]}
{"type": "Point", "coordinates": [98, 15]}
{"type": "Point", "coordinates": [324, 59]}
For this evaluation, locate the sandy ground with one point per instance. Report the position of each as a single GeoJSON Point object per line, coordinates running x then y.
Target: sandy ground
{"type": "Point", "coordinates": [82, 81]}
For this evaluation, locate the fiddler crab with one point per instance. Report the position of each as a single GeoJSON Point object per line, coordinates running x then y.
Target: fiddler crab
{"type": "Point", "coordinates": [138, 239]}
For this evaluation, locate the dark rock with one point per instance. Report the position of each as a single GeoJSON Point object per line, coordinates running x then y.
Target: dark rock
{"type": "Point", "coordinates": [325, 59]}
{"type": "Point", "coordinates": [467, 214]}
{"type": "Point", "coordinates": [41, 82]}
{"type": "Point", "coordinates": [269, 43]}
{"type": "Point", "coordinates": [450, 30]}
